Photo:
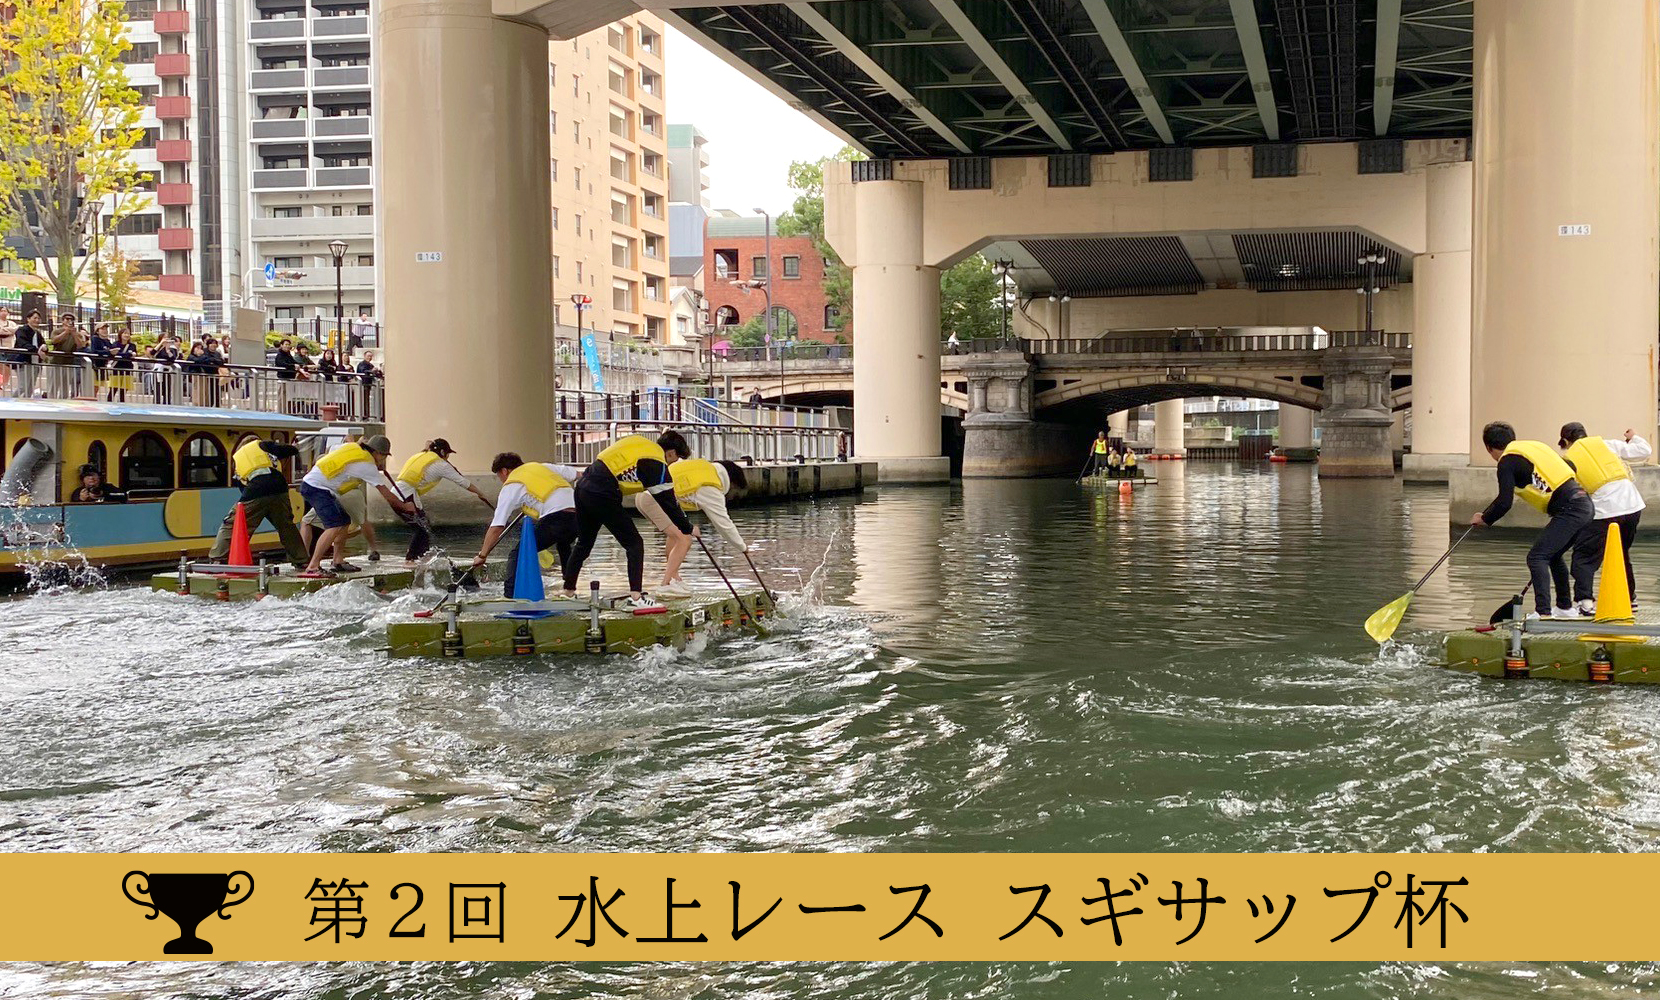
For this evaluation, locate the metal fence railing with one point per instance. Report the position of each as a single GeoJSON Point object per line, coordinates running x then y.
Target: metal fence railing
{"type": "Point", "coordinates": [581, 441]}
{"type": "Point", "coordinates": [676, 407]}
{"type": "Point", "coordinates": [1197, 340]}
{"type": "Point", "coordinates": [231, 387]}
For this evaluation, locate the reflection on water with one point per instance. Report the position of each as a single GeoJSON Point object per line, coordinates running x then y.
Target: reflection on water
{"type": "Point", "coordinates": [992, 666]}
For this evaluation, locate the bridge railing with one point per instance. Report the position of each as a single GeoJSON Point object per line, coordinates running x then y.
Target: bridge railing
{"type": "Point", "coordinates": [581, 441]}
{"type": "Point", "coordinates": [672, 406]}
{"type": "Point", "coordinates": [801, 351]}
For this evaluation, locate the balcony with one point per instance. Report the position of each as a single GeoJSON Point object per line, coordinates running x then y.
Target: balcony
{"type": "Point", "coordinates": [342, 127]}
{"type": "Point", "coordinates": [275, 129]}
{"type": "Point", "coordinates": [321, 277]}
{"type": "Point", "coordinates": [277, 79]}
{"type": "Point", "coordinates": [176, 239]}
{"type": "Point", "coordinates": [172, 22]}
{"type": "Point", "coordinates": [183, 283]}
{"type": "Point", "coordinates": [173, 150]}
{"type": "Point", "coordinates": [318, 227]}
{"type": "Point", "coordinates": [340, 27]}
{"type": "Point", "coordinates": [284, 179]}
{"type": "Point", "coordinates": [172, 64]}
{"type": "Point", "coordinates": [345, 176]}
{"type": "Point", "coordinates": [280, 29]}
{"type": "Point", "coordinates": [174, 194]}
{"type": "Point", "coordinates": [340, 76]}
{"type": "Point", "coordinates": [174, 108]}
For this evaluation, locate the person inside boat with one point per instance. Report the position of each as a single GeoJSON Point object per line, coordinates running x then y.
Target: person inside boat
{"type": "Point", "coordinates": [93, 489]}
{"type": "Point", "coordinates": [1543, 479]}
{"type": "Point", "coordinates": [634, 465]}
{"type": "Point", "coordinates": [264, 498]}
{"type": "Point", "coordinates": [699, 484]}
{"type": "Point", "coordinates": [1599, 465]}
{"type": "Point", "coordinates": [420, 476]}
{"type": "Point", "coordinates": [361, 461]}
{"type": "Point", "coordinates": [540, 491]}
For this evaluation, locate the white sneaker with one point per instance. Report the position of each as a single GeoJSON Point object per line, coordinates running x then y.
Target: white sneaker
{"type": "Point", "coordinates": [1533, 616]}
{"type": "Point", "coordinates": [1587, 608]}
{"type": "Point", "coordinates": [1567, 613]}
{"type": "Point", "coordinates": [675, 589]}
{"type": "Point", "coordinates": [643, 601]}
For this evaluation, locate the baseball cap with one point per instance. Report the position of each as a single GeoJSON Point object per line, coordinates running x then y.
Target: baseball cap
{"type": "Point", "coordinates": [377, 443]}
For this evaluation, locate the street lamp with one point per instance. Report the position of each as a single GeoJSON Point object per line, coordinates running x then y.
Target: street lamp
{"type": "Point", "coordinates": [1370, 262]}
{"type": "Point", "coordinates": [1002, 269]}
{"type": "Point", "coordinates": [767, 287]}
{"type": "Point", "coordinates": [337, 249]}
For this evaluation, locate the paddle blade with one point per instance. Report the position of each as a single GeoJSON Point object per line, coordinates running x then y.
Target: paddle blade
{"type": "Point", "coordinates": [1506, 612]}
{"type": "Point", "coordinates": [1387, 619]}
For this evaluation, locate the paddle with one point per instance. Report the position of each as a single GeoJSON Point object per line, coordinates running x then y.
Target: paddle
{"type": "Point", "coordinates": [466, 581]}
{"type": "Point", "coordinates": [1087, 460]}
{"type": "Point", "coordinates": [722, 573]}
{"type": "Point", "coordinates": [764, 588]}
{"type": "Point", "coordinates": [1387, 619]}
{"type": "Point", "coordinates": [1507, 610]}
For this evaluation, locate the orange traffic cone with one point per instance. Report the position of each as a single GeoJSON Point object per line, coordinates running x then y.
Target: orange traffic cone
{"type": "Point", "coordinates": [1124, 488]}
{"type": "Point", "coordinates": [241, 553]}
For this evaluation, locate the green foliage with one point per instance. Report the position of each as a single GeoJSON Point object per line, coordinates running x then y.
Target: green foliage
{"type": "Point", "coordinates": [968, 301]}
{"type": "Point", "coordinates": [275, 337]}
{"type": "Point", "coordinates": [752, 332]}
{"type": "Point", "coordinates": [114, 279]}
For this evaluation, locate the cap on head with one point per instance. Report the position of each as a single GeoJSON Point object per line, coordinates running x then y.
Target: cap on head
{"type": "Point", "coordinates": [1571, 432]}
{"type": "Point", "coordinates": [441, 446]}
{"type": "Point", "coordinates": [378, 444]}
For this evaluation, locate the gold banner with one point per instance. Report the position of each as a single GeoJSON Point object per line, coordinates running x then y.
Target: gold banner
{"type": "Point", "coordinates": [815, 907]}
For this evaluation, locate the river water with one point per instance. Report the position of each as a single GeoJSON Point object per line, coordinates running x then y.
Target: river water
{"type": "Point", "coordinates": [990, 666]}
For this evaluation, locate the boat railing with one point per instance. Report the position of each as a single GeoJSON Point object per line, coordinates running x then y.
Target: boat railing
{"type": "Point", "coordinates": [254, 388]}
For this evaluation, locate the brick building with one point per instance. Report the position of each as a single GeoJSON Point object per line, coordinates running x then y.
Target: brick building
{"type": "Point", "coordinates": [734, 250]}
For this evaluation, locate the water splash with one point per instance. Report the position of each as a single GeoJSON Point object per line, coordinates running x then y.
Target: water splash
{"type": "Point", "coordinates": [45, 551]}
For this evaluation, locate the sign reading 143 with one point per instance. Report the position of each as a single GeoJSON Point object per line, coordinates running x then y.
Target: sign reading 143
{"type": "Point", "coordinates": [1579, 229]}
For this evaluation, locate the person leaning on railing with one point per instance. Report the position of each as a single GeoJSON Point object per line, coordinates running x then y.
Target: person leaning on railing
{"type": "Point", "coordinates": [123, 352]}
{"type": "Point", "coordinates": [65, 341]}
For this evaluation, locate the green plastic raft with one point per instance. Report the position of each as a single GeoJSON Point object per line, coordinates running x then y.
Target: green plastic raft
{"type": "Point", "coordinates": [474, 629]}
{"type": "Point", "coordinates": [239, 584]}
{"type": "Point", "coordinates": [1564, 651]}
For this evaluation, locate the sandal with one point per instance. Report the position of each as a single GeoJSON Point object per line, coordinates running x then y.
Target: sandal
{"type": "Point", "coordinates": [346, 567]}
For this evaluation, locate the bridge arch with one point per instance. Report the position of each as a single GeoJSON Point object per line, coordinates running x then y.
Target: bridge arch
{"type": "Point", "coordinates": [1133, 389]}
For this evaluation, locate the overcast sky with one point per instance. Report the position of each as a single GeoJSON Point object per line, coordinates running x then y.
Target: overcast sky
{"type": "Point", "coordinates": [753, 136]}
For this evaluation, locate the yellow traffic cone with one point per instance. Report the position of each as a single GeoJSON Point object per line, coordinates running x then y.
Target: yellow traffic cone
{"type": "Point", "coordinates": [1613, 597]}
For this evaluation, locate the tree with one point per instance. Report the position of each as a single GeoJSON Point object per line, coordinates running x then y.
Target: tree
{"type": "Point", "coordinates": [968, 301]}
{"type": "Point", "coordinates": [68, 124]}
{"type": "Point", "coordinates": [968, 291]}
{"type": "Point", "coordinates": [752, 332]}
{"type": "Point", "coordinates": [114, 279]}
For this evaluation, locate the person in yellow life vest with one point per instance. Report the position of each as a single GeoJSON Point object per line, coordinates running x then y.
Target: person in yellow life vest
{"type": "Point", "coordinates": [541, 491]}
{"type": "Point", "coordinates": [1115, 463]}
{"type": "Point", "coordinates": [1530, 469]}
{"type": "Point", "coordinates": [632, 465]}
{"type": "Point", "coordinates": [420, 476]}
{"type": "Point", "coordinates": [360, 461]}
{"type": "Point", "coordinates": [1098, 451]}
{"type": "Point", "coordinates": [355, 503]}
{"type": "Point", "coordinates": [1599, 465]}
{"type": "Point", "coordinates": [1130, 469]}
{"type": "Point", "coordinates": [699, 484]}
{"type": "Point", "coordinates": [264, 498]}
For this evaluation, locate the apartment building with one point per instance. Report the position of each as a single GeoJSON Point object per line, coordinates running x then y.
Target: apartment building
{"type": "Point", "coordinates": [610, 178]}
{"type": "Point", "coordinates": [307, 103]}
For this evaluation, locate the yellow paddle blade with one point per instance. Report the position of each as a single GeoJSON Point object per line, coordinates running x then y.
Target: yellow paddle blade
{"type": "Point", "coordinates": [1387, 619]}
{"type": "Point", "coordinates": [546, 558]}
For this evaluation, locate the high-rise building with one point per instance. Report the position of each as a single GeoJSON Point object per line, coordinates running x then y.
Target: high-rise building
{"type": "Point", "coordinates": [610, 178]}
{"type": "Point", "coordinates": [310, 173]}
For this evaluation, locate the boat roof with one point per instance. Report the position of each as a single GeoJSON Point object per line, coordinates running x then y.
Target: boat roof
{"type": "Point", "coordinates": [88, 411]}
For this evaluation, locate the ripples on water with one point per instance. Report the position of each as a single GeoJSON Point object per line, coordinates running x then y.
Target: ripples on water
{"type": "Point", "coordinates": [996, 666]}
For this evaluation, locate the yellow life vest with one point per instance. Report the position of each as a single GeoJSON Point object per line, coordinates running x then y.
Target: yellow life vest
{"type": "Point", "coordinates": [1549, 471]}
{"type": "Point", "coordinates": [1129, 459]}
{"type": "Point", "coordinates": [692, 474]}
{"type": "Point", "coordinates": [351, 484]}
{"type": "Point", "coordinates": [250, 459]}
{"type": "Point", "coordinates": [335, 462]}
{"type": "Point", "coordinates": [1595, 464]}
{"type": "Point", "coordinates": [539, 481]}
{"type": "Point", "coordinates": [414, 472]}
{"type": "Point", "coordinates": [624, 456]}
{"type": "Point", "coordinates": [1100, 447]}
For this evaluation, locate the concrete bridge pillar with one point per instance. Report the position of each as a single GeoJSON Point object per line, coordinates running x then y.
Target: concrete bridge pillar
{"type": "Point", "coordinates": [1441, 328]}
{"type": "Point", "coordinates": [1296, 431]}
{"type": "Point", "coordinates": [1000, 437]}
{"type": "Point", "coordinates": [1355, 423]}
{"type": "Point", "coordinates": [1169, 428]}
{"type": "Point", "coordinates": [1118, 425]}
{"type": "Point", "coordinates": [469, 145]}
{"type": "Point", "coordinates": [1567, 218]}
{"type": "Point", "coordinates": [896, 361]}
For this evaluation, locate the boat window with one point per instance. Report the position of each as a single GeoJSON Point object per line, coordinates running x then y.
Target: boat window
{"type": "Point", "coordinates": [97, 456]}
{"type": "Point", "coordinates": [146, 463]}
{"type": "Point", "coordinates": [203, 463]}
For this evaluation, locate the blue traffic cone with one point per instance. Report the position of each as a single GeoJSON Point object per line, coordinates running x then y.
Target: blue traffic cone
{"type": "Point", "coordinates": [527, 579]}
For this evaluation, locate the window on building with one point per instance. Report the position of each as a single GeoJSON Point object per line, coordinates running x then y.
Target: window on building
{"type": "Point", "coordinates": [792, 267]}
{"type": "Point", "coordinates": [553, 169]}
{"type": "Point", "coordinates": [576, 131]}
{"type": "Point", "coordinates": [138, 10]}
{"type": "Point", "coordinates": [289, 312]}
{"type": "Point", "coordinates": [726, 264]}
{"type": "Point", "coordinates": [134, 225]}
{"type": "Point", "coordinates": [147, 95]}
{"type": "Point", "coordinates": [832, 318]}
{"type": "Point", "coordinates": [553, 72]}
{"type": "Point", "coordinates": [348, 160]}
{"type": "Point", "coordinates": [650, 40]}
{"type": "Point", "coordinates": [203, 462]}
{"type": "Point", "coordinates": [365, 210]}
{"type": "Point", "coordinates": [148, 269]}
{"type": "Point", "coordinates": [141, 52]}
{"type": "Point", "coordinates": [578, 172]}
{"type": "Point", "coordinates": [284, 162]}
{"type": "Point", "coordinates": [146, 463]}
{"type": "Point", "coordinates": [336, 211]}
{"type": "Point", "coordinates": [682, 326]}
{"type": "Point", "coordinates": [553, 123]}
{"type": "Point", "coordinates": [556, 266]}
{"type": "Point", "coordinates": [145, 180]}
{"type": "Point", "coordinates": [758, 267]}
{"type": "Point", "coordinates": [281, 62]}
{"type": "Point", "coordinates": [579, 272]}
{"type": "Point", "coordinates": [288, 263]}
{"type": "Point", "coordinates": [556, 218]}
{"type": "Point", "coordinates": [365, 260]}
{"type": "Point", "coordinates": [579, 223]}
{"type": "Point", "coordinates": [576, 84]}
{"type": "Point", "coordinates": [285, 212]}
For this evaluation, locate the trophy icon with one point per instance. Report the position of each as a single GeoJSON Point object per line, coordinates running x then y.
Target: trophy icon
{"type": "Point", "coordinates": [188, 898]}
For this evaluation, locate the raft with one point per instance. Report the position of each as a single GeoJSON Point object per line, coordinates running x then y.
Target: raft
{"type": "Point", "coordinates": [1102, 479]}
{"type": "Point", "coordinates": [477, 629]}
{"type": "Point", "coordinates": [384, 577]}
{"type": "Point", "coordinates": [1561, 650]}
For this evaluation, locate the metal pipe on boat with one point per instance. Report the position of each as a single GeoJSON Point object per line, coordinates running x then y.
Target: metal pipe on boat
{"type": "Point", "coordinates": [264, 578]}
{"type": "Point", "coordinates": [596, 635]}
{"type": "Point", "coordinates": [451, 645]}
{"type": "Point", "coordinates": [1515, 660]}
{"type": "Point", "coordinates": [25, 467]}
{"type": "Point", "coordinates": [184, 573]}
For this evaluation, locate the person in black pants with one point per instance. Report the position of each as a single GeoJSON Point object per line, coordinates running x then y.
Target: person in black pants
{"type": "Point", "coordinates": [1540, 476]}
{"type": "Point", "coordinates": [599, 496]}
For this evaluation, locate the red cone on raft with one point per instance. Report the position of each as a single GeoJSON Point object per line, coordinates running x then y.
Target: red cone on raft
{"type": "Point", "coordinates": [241, 553]}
